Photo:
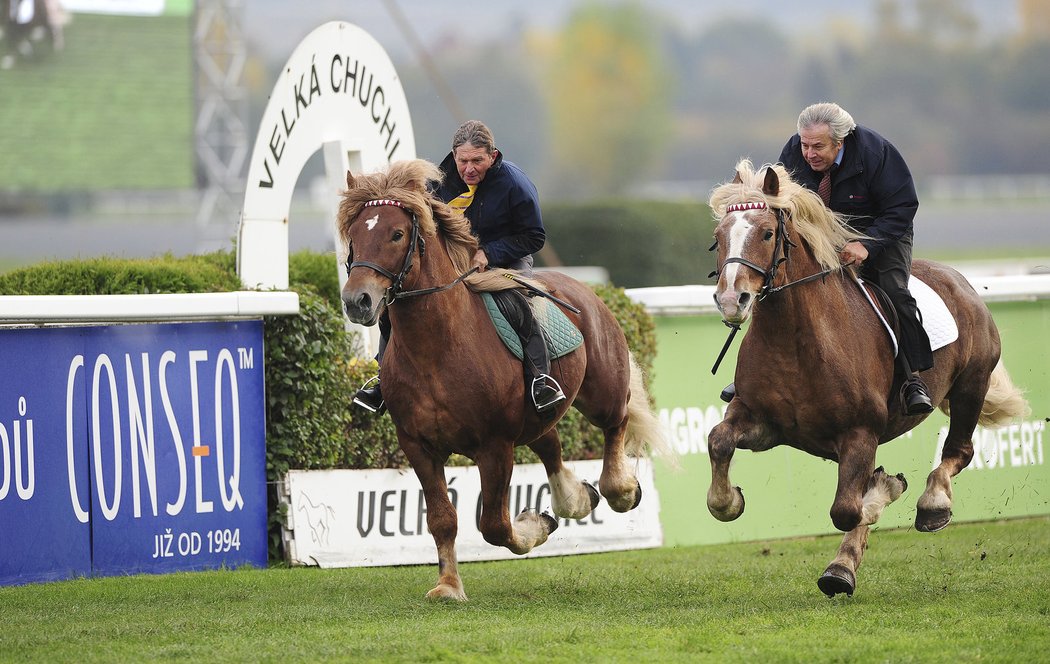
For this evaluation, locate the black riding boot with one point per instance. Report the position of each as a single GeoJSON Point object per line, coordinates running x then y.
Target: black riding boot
{"type": "Point", "coordinates": [539, 384]}
{"type": "Point", "coordinates": [545, 390]}
{"type": "Point", "coordinates": [370, 397]}
{"type": "Point", "coordinates": [728, 392]}
{"type": "Point", "coordinates": [915, 398]}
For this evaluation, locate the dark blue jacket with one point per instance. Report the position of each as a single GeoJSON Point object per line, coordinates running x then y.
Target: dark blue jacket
{"type": "Point", "coordinates": [505, 212]}
{"type": "Point", "coordinates": [872, 185]}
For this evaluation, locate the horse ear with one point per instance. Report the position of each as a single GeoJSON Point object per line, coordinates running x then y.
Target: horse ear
{"type": "Point", "coordinates": [771, 185]}
{"type": "Point", "coordinates": [349, 180]}
{"type": "Point", "coordinates": [737, 179]}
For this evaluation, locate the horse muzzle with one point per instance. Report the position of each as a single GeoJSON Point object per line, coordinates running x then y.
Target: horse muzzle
{"type": "Point", "coordinates": [364, 306]}
{"type": "Point", "coordinates": [735, 306]}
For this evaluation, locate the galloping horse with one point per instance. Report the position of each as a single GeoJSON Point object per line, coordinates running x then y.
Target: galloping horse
{"type": "Point", "coordinates": [450, 384]}
{"type": "Point", "coordinates": [815, 369]}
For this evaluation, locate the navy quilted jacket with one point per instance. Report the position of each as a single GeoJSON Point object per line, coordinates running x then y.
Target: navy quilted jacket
{"type": "Point", "coordinates": [505, 213]}
{"type": "Point", "coordinates": [872, 185]}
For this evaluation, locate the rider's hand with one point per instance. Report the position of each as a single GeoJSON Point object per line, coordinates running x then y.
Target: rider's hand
{"type": "Point", "coordinates": [481, 261]}
{"type": "Point", "coordinates": [853, 252]}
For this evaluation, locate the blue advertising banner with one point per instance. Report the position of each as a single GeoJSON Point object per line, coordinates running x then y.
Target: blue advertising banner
{"type": "Point", "coordinates": [131, 448]}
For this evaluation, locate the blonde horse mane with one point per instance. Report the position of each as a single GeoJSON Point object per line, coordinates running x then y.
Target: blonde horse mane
{"type": "Point", "coordinates": [824, 231]}
{"type": "Point", "coordinates": [407, 182]}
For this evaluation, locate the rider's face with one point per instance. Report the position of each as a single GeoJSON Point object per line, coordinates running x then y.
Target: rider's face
{"type": "Point", "coordinates": [819, 149]}
{"type": "Point", "coordinates": [473, 163]}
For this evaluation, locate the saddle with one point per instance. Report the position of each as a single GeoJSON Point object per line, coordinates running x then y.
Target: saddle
{"type": "Point", "coordinates": [934, 315]}
{"type": "Point", "coordinates": [560, 335]}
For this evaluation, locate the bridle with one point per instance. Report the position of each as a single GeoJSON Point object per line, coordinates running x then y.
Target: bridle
{"type": "Point", "coordinates": [781, 252]}
{"type": "Point", "coordinates": [394, 292]}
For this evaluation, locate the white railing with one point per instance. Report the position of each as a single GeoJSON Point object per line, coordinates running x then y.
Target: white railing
{"type": "Point", "coordinates": [696, 300]}
{"type": "Point", "coordinates": [173, 307]}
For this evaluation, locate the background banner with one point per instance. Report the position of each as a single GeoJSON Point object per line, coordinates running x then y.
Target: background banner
{"type": "Point", "coordinates": [354, 518]}
{"type": "Point", "coordinates": [131, 448]}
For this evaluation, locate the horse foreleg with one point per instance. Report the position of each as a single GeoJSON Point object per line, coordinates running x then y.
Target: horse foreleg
{"type": "Point", "coordinates": [441, 519]}
{"type": "Point", "coordinates": [617, 483]}
{"type": "Point", "coordinates": [570, 498]}
{"type": "Point", "coordinates": [841, 575]}
{"type": "Point", "coordinates": [725, 501]}
{"type": "Point", "coordinates": [856, 458]}
{"type": "Point", "coordinates": [529, 529]}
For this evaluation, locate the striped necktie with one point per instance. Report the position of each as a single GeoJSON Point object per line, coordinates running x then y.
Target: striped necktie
{"type": "Point", "coordinates": [463, 201]}
{"type": "Point", "coordinates": [824, 188]}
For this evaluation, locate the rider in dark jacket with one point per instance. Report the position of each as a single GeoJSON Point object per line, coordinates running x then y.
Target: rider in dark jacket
{"type": "Point", "coordinates": [505, 212]}
{"type": "Point", "coordinates": [872, 185]}
{"type": "Point", "coordinates": [503, 208]}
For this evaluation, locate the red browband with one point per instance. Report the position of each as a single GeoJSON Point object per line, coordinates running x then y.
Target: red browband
{"type": "Point", "coordinates": [384, 201]}
{"type": "Point", "coordinates": [743, 207]}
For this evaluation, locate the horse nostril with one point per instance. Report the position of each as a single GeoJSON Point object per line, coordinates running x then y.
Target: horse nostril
{"type": "Point", "coordinates": [365, 302]}
{"type": "Point", "coordinates": [744, 299]}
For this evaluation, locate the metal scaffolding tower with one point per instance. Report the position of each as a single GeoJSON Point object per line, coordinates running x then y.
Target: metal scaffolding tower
{"type": "Point", "coordinates": [220, 133]}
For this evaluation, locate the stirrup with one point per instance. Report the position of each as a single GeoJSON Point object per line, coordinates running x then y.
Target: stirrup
{"type": "Point", "coordinates": [541, 381]}
{"type": "Point", "coordinates": [367, 397]}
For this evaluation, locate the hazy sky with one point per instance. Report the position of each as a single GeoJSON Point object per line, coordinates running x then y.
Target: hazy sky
{"type": "Point", "coordinates": [277, 26]}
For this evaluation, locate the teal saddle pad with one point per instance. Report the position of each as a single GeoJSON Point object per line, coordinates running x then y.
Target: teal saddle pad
{"type": "Point", "coordinates": [561, 335]}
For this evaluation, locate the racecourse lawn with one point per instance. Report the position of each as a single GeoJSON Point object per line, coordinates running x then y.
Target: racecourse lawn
{"type": "Point", "coordinates": [973, 592]}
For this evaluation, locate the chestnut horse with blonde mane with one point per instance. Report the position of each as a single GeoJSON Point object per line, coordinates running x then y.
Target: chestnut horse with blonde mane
{"type": "Point", "coordinates": [815, 369]}
{"type": "Point", "coordinates": [452, 386]}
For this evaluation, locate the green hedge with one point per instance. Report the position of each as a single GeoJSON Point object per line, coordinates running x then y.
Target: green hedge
{"type": "Point", "coordinates": [311, 374]}
{"type": "Point", "coordinates": [640, 243]}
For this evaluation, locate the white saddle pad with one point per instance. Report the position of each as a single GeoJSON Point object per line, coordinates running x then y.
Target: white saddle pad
{"type": "Point", "coordinates": [938, 322]}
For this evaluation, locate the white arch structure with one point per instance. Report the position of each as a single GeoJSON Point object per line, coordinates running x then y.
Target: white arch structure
{"type": "Point", "coordinates": [338, 93]}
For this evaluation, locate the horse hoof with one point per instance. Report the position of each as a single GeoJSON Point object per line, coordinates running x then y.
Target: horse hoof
{"type": "Point", "coordinates": [930, 521]}
{"type": "Point", "coordinates": [592, 491]}
{"type": "Point", "coordinates": [447, 593]}
{"type": "Point", "coordinates": [552, 523]}
{"type": "Point", "coordinates": [837, 579]}
{"type": "Point", "coordinates": [903, 480]}
{"type": "Point", "coordinates": [732, 511]}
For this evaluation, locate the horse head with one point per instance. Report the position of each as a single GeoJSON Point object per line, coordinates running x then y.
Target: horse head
{"type": "Point", "coordinates": [750, 248]}
{"type": "Point", "coordinates": [773, 233]}
{"type": "Point", "coordinates": [381, 247]}
{"type": "Point", "coordinates": [383, 220]}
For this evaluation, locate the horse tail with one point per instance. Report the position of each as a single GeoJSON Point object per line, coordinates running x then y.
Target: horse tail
{"type": "Point", "coordinates": [643, 427]}
{"type": "Point", "coordinates": [1004, 402]}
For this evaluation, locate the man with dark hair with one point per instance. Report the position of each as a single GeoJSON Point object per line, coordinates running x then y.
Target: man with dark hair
{"type": "Point", "coordinates": [503, 208]}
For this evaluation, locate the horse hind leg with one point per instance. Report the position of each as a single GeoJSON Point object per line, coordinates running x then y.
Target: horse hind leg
{"type": "Point", "coordinates": [570, 497]}
{"type": "Point", "coordinates": [841, 575]}
{"type": "Point", "coordinates": [618, 484]}
{"type": "Point", "coordinates": [934, 507]}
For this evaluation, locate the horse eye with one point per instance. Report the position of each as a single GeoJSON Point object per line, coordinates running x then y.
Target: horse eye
{"type": "Point", "coordinates": [768, 235]}
{"type": "Point", "coordinates": [398, 234]}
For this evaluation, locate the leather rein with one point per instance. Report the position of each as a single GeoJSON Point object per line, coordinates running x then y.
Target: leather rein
{"type": "Point", "coordinates": [394, 292]}
{"type": "Point", "coordinates": [780, 255]}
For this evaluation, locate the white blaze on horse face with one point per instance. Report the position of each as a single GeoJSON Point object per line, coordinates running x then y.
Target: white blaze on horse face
{"type": "Point", "coordinates": [371, 223]}
{"type": "Point", "coordinates": [738, 233]}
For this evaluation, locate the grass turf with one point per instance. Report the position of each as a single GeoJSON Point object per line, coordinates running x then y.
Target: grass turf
{"type": "Point", "coordinates": [972, 592]}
